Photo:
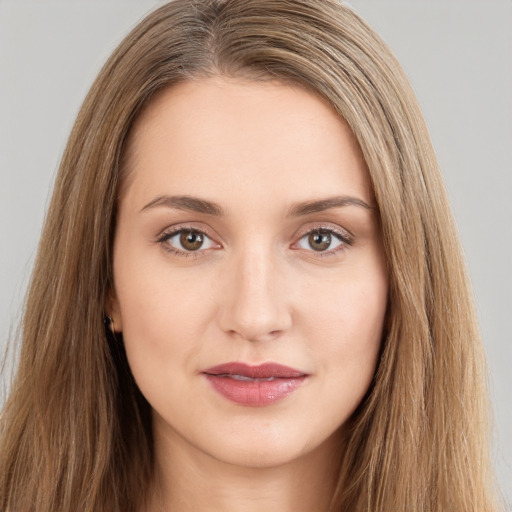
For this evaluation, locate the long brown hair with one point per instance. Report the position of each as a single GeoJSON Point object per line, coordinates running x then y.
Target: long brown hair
{"type": "Point", "coordinates": [75, 431]}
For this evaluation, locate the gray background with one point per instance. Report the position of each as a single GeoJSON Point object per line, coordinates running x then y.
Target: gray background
{"type": "Point", "coordinates": [458, 55]}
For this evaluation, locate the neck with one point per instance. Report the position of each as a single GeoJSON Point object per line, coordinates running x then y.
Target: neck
{"type": "Point", "coordinates": [191, 480]}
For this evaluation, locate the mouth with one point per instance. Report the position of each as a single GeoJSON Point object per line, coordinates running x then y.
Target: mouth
{"type": "Point", "coordinates": [254, 385]}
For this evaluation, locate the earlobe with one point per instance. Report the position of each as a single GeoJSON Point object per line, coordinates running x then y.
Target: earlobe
{"type": "Point", "coordinates": [112, 313]}
{"type": "Point", "coordinates": [109, 323]}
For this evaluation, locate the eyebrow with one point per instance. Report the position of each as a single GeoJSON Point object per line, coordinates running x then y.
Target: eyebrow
{"type": "Point", "coordinates": [189, 203]}
{"type": "Point", "coordinates": [307, 207]}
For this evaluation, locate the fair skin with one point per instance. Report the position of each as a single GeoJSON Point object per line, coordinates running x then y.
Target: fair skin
{"type": "Point", "coordinates": [265, 271]}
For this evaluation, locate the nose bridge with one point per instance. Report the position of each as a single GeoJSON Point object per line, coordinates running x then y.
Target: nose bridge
{"type": "Point", "coordinates": [255, 308]}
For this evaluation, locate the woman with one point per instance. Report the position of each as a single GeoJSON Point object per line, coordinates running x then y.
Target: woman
{"type": "Point", "coordinates": [248, 279]}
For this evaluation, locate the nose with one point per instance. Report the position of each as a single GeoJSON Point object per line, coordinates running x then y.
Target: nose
{"type": "Point", "coordinates": [255, 306]}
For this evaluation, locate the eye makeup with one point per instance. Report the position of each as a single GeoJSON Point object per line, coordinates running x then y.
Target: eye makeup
{"type": "Point", "coordinates": [323, 240]}
{"type": "Point", "coordinates": [190, 241]}
{"type": "Point", "coordinates": [187, 241]}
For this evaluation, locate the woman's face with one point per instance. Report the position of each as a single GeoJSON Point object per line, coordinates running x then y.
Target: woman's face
{"type": "Point", "coordinates": [250, 280]}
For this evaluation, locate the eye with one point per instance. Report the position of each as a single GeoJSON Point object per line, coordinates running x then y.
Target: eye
{"type": "Point", "coordinates": [188, 240]}
{"type": "Point", "coordinates": [322, 240]}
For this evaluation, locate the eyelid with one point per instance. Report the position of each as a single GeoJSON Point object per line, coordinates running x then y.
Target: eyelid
{"type": "Point", "coordinates": [187, 226]}
{"type": "Point", "coordinates": [346, 238]}
{"type": "Point", "coordinates": [343, 233]}
{"type": "Point", "coordinates": [172, 231]}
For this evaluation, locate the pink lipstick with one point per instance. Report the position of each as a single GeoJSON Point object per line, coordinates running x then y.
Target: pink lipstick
{"type": "Point", "coordinates": [254, 385]}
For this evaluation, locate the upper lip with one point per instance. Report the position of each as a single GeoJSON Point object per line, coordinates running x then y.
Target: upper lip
{"type": "Point", "coordinates": [261, 371]}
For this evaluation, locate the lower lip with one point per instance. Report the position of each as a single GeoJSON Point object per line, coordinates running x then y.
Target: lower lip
{"type": "Point", "coordinates": [255, 393]}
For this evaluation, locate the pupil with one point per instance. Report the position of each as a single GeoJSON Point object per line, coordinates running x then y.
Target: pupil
{"type": "Point", "coordinates": [319, 241]}
{"type": "Point", "coordinates": [191, 240]}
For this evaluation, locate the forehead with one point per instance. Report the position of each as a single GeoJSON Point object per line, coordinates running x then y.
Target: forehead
{"type": "Point", "coordinates": [219, 134]}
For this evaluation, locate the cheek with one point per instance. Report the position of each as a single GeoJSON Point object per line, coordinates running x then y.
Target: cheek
{"type": "Point", "coordinates": [346, 321]}
{"type": "Point", "coordinates": [350, 307]}
{"type": "Point", "coordinates": [160, 317]}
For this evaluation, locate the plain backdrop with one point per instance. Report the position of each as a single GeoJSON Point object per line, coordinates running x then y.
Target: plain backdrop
{"type": "Point", "coordinates": [458, 55]}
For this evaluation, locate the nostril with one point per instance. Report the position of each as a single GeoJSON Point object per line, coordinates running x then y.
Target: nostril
{"type": "Point", "coordinates": [254, 336]}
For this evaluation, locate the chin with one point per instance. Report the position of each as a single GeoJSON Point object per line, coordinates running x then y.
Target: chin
{"type": "Point", "coordinates": [269, 447]}
{"type": "Point", "coordinates": [259, 457]}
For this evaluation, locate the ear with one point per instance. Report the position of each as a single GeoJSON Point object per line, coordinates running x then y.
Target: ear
{"type": "Point", "coordinates": [113, 311]}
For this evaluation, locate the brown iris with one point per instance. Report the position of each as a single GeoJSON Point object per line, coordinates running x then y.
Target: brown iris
{"type": "Point", "coordinates": [191, 240]}
{"type": "Point", "coordinates": [319, 240]}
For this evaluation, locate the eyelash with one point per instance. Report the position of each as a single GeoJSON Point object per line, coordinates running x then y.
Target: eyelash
{"type": "Point", "coordinates": [345, 239]}
{"type": "Point", "coordinates": [167, 235]}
